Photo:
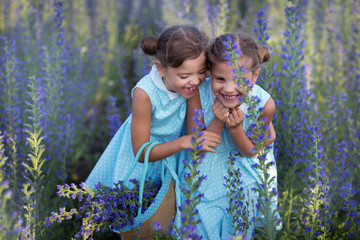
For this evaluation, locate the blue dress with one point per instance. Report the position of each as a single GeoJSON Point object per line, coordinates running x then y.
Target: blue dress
{"type": "Point", "coordinates": [216, 223]}
{"type": "Point", "coordinates": [167, 120]}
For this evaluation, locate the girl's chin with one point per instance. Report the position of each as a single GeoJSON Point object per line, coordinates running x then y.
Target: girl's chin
{"type": "Point", "coordinates": [230, 104]}
{"type": "Point", "coordinates": [187, 95]}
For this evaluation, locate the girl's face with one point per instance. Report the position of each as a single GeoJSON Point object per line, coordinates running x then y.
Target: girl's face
{"type": "Point", "coordinates": [186, 78]}
{"type": "Point", "coordinates": [224, 85]}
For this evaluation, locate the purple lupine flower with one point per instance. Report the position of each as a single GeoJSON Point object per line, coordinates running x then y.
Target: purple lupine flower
{"type": "Point", "coordinates": [113, 116]}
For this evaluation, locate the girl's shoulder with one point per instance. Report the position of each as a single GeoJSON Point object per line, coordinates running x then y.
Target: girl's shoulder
{"type": "Point", "coordinates": [146, 84]}
{"type": "Point", "coordinates": [205, 91]}
{"type": "Point", "coordinates": [205, 86]}
{"type": "Point", "coordinates": [260, 93]}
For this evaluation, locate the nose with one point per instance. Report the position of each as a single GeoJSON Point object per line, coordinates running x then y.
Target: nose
{"type": "Point", "coordinates": [230, 87]}
{"type": "Point", "coordinates": [195, 80]}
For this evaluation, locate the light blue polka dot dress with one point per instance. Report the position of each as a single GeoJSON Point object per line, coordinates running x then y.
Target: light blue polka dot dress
{"type": "Point", "coordinates": [167, 122]}
{"type": "Point", "coordinates": [216, 223]}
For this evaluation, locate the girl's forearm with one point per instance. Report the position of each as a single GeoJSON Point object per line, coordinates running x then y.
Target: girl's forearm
{"type": "Point", "coordinates": [215, 126]}
{"type": "Point", "coordinates": [167, 149]}
{"type": "Point", "coordinates": [244, 144]}
{"type": "Point", "coordinates": [241, 141]}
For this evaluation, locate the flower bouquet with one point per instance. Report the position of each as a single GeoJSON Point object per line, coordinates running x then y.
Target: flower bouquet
{"type": "Point", "coordinates": [105, 208]}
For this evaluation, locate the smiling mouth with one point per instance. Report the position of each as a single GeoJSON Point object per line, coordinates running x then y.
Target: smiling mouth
{"type": "Point", "coordinates": [189, 90]}
{"type": "Point", "coordinates": [230, 98]}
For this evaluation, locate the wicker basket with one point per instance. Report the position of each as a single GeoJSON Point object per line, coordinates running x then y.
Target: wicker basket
{"type": "Point", "coordinates": [163, 215]}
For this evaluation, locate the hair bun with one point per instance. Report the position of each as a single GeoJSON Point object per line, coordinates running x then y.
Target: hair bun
{"type": "Point", "coordinates": [149, 45]}
{"type": "Point", "coordinates": [263, 53]}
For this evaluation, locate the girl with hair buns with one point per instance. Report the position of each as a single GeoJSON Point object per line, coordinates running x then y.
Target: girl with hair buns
{"type": "Point", "coordinates": [159, 103]}
{"type": "Point", "coordinates": [225, 114]}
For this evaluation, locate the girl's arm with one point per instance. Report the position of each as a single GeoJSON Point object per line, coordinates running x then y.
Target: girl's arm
{"type": "Point", "coordinates": [140, 131]}
{"type": "Point", "coordinates": [272, 135]}
{"type": "Point", "coordinates": [241, 141]}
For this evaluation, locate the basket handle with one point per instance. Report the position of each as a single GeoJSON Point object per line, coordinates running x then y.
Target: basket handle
{"type": "Point", "coordinates": [142, 181]}
{"type": "Point", "coordinates": [136, 160]}
{"type": "Point", "coordinates": [145, 170]}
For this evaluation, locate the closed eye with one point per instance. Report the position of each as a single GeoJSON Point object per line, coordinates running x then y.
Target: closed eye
{"type": "Point", "coordinates": [220, 79]}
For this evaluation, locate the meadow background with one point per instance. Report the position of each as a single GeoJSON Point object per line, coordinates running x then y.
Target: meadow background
{"type": "Point", "coordinates": [67, 69]}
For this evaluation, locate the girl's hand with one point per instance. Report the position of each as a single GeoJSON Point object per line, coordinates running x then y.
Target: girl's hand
{"type": "Point", "coordinates": [220, 111]}
{"type": "Point", "coordinates": [236, 117]}
{"type": "Point", "coordinates": [209, 141]}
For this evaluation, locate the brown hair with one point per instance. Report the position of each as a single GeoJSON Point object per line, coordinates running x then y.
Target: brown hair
{"type": "Point", "coordinates": [258, 54]}
{"type": "Point", "coordinates": [175, 45]}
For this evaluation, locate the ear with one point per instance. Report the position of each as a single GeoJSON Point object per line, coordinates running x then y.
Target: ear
{"type": "Point", "coordinates": [160, 68]}
{"type": "Point", "coordinates": [255, 75]}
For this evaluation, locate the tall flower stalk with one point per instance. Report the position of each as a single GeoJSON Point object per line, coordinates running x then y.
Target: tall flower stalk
{"type": "Point", "coordinates": [222, 17]}
{"type": "Point", "coordinates": [193, 179]}
{"type": "Point", "coordinates": [308, 200]}
{"type": "Point", "coordinates": [293, 113]}
{"type": "Point", "coordinates": [316, 197]}
{"type": "Point", "coordinates": [52, 110]}
{"type": "Point", "coordinates": [10, 121]}
{"type": "Point", "coordinates": [268, 75]}
{"type": "Point", "coordinates": [33, 189]}
{"type": "Point", "coordinates": [10, 220]}
{"type": "Point", "coordinates": [113, 116]}
{"type": "Point", "coordinates": [238, 206]}
{"type": "Point", "coordinates": [258, 134]}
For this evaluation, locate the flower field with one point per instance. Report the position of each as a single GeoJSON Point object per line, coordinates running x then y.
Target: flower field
{"type": "Point", "coordinates": [67, 69]}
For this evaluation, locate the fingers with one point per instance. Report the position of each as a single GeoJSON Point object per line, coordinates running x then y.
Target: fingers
{"type": "Point", "coordinates": [231, 118]}
{"type": "Point", "coordinates": [208, 149]}
{"type": "Point", "coordinates": [210, 140]}
{"type": "Point", "coordinates": [211, 136]}
{"type": "Point", "coordinates": [220, 111]}
{"type": "Point", "coordinates": [235, 118]}
{"type": "Point", "coordinates": [238, 114]}
{"type": "Point", "coordinates": [209, 145]}
{"type": "Point", "coordinates": [217, 105]}
{"type": "Point", "coordinates": [241, 114]}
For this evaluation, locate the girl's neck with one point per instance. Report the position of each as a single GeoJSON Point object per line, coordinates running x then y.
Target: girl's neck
{"type": "Point", "coordinates": [168, 84]}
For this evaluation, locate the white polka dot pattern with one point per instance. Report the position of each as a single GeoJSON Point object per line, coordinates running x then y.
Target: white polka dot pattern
{"type": "Point", "coordinates": [167, 120]}
{"type": "Point", "coordinates": [215, 221]}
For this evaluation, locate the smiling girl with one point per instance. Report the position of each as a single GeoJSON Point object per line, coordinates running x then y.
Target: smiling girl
{"type": "Point", "coordinates": [158, 108]}
{"type": "Point", "coordinates": [221, 99]}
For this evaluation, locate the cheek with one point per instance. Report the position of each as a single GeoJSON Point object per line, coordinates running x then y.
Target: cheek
{"type": "Point", "coordinates": [216, 87]}
{"type": "Point", "coordinates": [250, 77]}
